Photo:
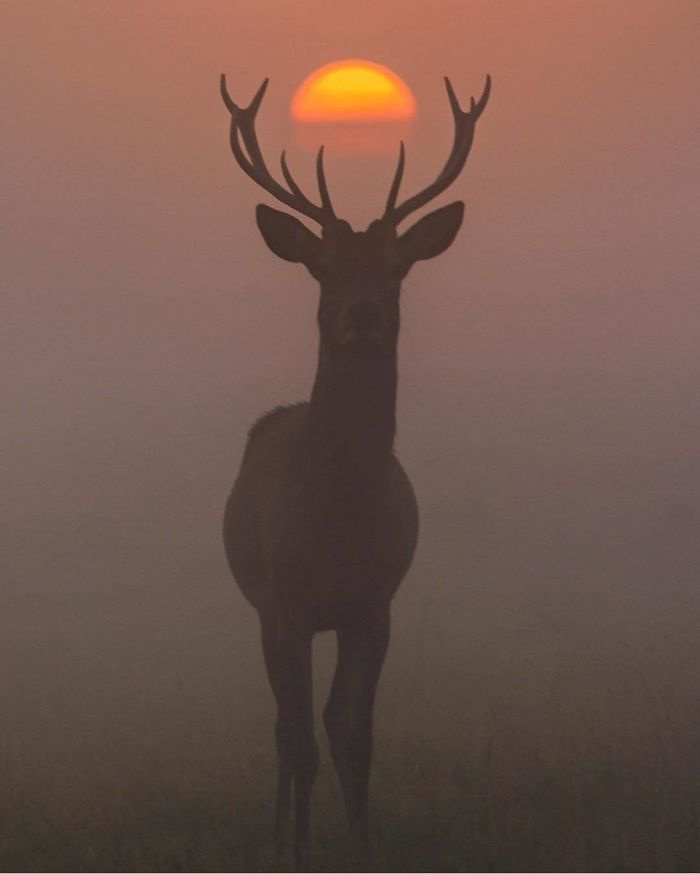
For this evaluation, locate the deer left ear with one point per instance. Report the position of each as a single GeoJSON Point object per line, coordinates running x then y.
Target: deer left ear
{"type": "Point", "coordinates": [431, 235]}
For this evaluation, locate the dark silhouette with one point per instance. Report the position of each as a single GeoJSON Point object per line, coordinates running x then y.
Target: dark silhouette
{"type": "Point", "coordinates": [322, 523]}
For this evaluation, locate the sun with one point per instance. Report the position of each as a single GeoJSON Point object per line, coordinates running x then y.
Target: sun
{"type": "Point", "coordinates": [353, 90]}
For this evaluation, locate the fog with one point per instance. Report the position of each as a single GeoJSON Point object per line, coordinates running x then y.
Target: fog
{"type": "Point", "coordinates": [548, 406]}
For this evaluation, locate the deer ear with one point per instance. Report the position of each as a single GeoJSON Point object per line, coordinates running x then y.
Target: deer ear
{"type": "Point", "coordinates": [431, 235]}
{"type": "Point", "coordinates": [287, 236]}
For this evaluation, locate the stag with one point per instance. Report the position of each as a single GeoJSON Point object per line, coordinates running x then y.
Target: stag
{"type": "Point", "coordinates": [322, 523]}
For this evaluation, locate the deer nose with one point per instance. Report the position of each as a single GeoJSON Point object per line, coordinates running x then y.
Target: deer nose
{"type": "Point", "coordinates": [363, 322]}
{"type": "Point", "coordinates": [364, 315]}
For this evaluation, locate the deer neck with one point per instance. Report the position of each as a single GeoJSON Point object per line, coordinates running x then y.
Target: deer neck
{"type": "Point", "coordinates": [352, 417]}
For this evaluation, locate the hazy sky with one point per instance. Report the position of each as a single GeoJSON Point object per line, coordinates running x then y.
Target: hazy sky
{"type": "Point", "coordinates": [549, 362]}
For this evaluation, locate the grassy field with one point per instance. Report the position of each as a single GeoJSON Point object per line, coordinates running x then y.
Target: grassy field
{"type": "Point", "coordinates": [522, 723]}
{"type": "Point", "coordinates": [494, 795]}
{"type": "Point", "coordinates": [431, 813]}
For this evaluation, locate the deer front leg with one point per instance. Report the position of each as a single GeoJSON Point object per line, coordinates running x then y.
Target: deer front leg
{"type": "Point", "coordinates": [288, 660]}
{"type": "Point", "coordinates": [275, 672]}
{"type": "Point", "coordinates": [348, 716]}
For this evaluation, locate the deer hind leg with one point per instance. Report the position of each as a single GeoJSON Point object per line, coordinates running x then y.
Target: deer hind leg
{"type": "Point", "coordinates": [348, 717]}
{"type": "Point", "coordinates": [288, 660]}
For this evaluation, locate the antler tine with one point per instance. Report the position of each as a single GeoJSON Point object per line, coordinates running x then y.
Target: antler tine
{"type": "Point", "coordinates": [230, 105]}
{"type": "Point", "coordinates": [396, 184]}
{"type": "Point", "coordinates": [485, 94]}
{"type": "Point", "coordinates": [288, 176]}
{"type": "Point", "coordinates": [253, 164]}
{"type": "Point", "coordinates": [322, 187]}
{"type": "Point", "coordinates": [464, 124]}
{"type": "Point", "coordinates": [246, 124]}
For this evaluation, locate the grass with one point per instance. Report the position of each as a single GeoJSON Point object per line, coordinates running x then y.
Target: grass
{"type": "Point", "coordinates": [434, 810]}
{"type": "Point", "coordinates": [126, 751]}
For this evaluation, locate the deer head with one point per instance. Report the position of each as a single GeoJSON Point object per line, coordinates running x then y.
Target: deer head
{"type": "Point", "coordinates": [360, 272]}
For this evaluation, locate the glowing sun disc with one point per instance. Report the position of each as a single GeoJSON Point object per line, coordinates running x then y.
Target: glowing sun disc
{"type": "Point", "coordinates": [353, 90]}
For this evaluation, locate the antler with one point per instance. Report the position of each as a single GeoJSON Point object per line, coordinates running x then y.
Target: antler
{"type": "Point", "coordinates": [465, 124]}
{"type": "Point", "coordinates": [243, 122]}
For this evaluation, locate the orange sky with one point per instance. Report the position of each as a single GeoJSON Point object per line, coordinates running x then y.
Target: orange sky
{"type": "Point", "coordinates": [579, 87]}
{"type": "Point", "coordinates": [116, 155]}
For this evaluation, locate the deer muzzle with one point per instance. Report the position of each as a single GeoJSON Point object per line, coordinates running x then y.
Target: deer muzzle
{"type": "Point", "coordinates": [363, 323]}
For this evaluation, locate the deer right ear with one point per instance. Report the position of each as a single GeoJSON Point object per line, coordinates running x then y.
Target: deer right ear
{"type": "Point", "coordinates": [287, 237]}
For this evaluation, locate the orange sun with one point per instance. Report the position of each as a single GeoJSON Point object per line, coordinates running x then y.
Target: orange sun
{"type": "Point", "coordinates": [353, 91]}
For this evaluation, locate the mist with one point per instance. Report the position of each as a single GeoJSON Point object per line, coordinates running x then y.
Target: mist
{"type": "Point", "coordinates": [545, 645]}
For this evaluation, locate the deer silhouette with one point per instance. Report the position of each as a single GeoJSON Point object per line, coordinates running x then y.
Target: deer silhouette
{"type": "Point", "coordinates": [322, 523]}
